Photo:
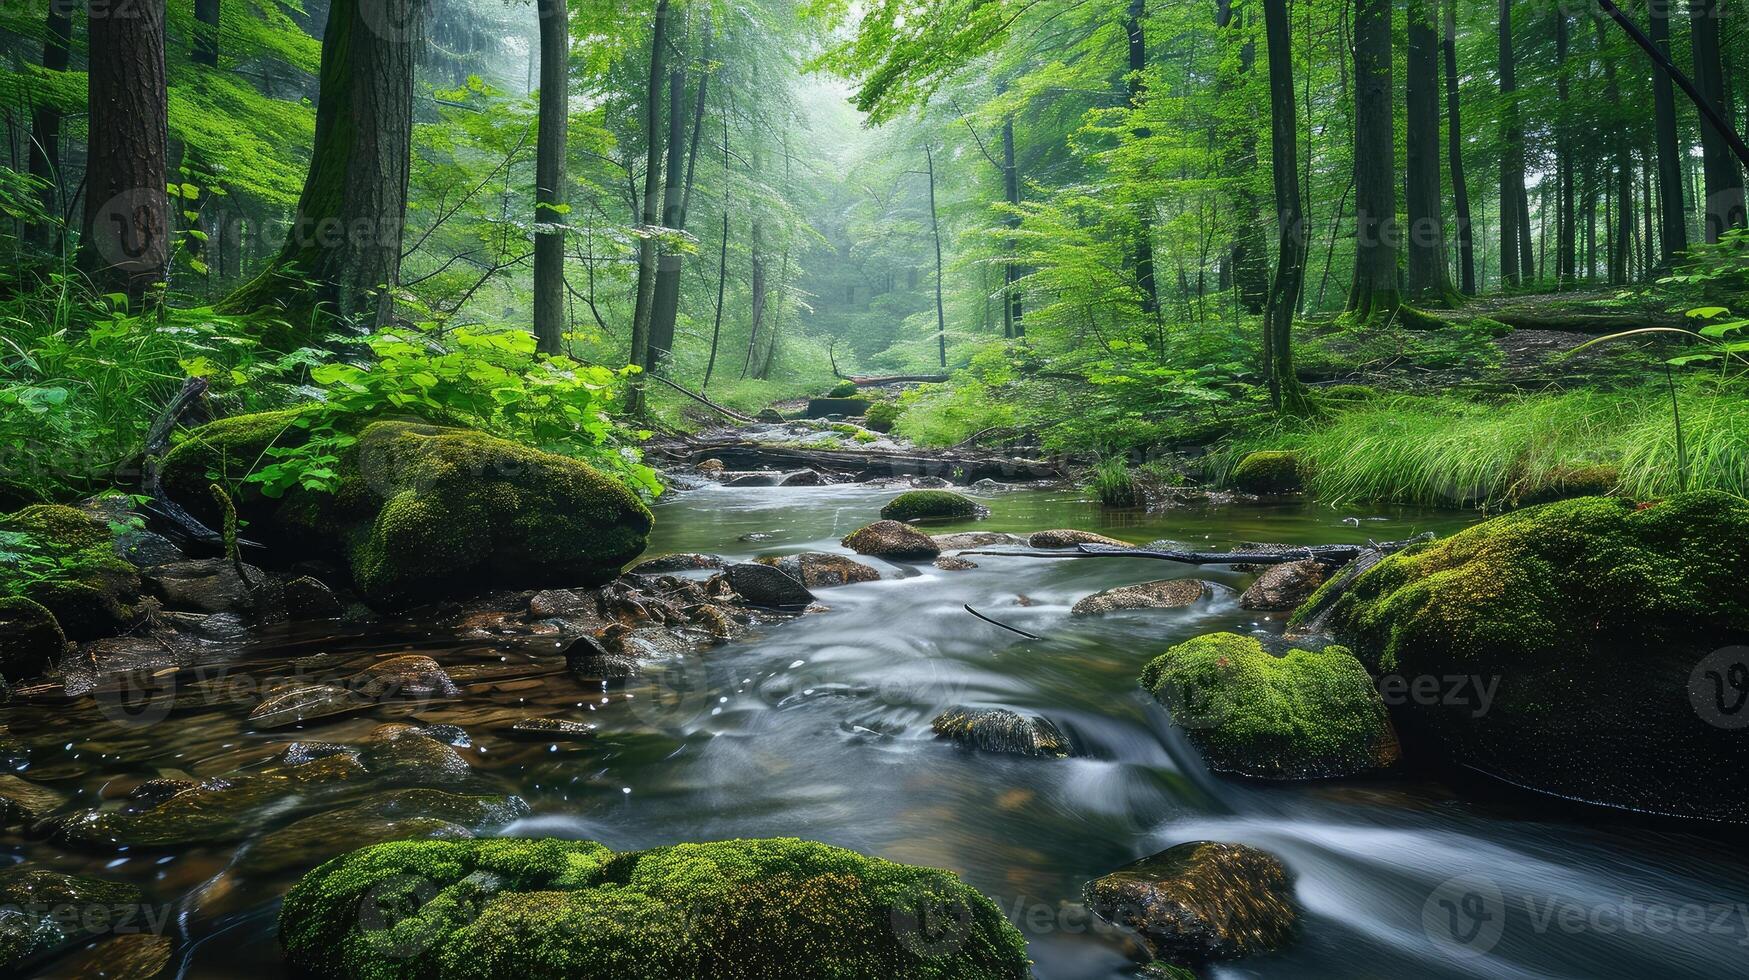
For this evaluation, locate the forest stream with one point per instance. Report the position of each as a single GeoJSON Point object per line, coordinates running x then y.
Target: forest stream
{"type": "Point", "coordinates": [819, 727]}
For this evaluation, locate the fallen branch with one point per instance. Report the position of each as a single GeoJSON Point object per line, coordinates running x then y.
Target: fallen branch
{"type": "Point", "coordinates": [897, 379]}
{"type": "Point", "coordinates": [1328, 554]}
{"type": "Point", "coordinates": [738, 454]}
{"type": "Point", "coordinates": [1315, 616]}
{"type": "Point", "coordinates": [702, 400]}
{"type": "Point", "coordinates": [151, 475]}
{"type": "Point", "coordinates": [1576, 321]}
{"type": "Point", "coordinates": [992, 622]}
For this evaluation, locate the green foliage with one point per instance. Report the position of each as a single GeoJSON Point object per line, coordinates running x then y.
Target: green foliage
{"type": "Point", "coordinates": [883, 415]}
{"type": "Point", "coordinates": [1116, 485]}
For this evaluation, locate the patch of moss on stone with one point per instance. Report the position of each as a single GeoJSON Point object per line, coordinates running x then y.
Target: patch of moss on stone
{"type": "Point", "coordinates": [1593, 617]}
{"type": "Point", "coordinates": [538, 909]}
{"type": "Point", "coordinates": [917, 505]}
{"type": "Point", "coordinates": [1565, 482]}
{"type": "Point", "coordinates": [1268, 471]}
{"type": "Point", "coordinates": [1305, 715]}
{"type": "Point", "coordinates": [226, 450]}
{"type": "Point", "coordinates": [63, 560]}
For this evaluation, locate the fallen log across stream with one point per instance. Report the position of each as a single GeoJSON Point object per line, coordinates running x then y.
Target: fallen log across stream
{"type": "Point", "coordinates": [959, 466]}
{"type": "Point", "coordinates": [1328, 554]}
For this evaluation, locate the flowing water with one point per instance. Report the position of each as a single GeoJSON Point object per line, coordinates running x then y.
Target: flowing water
{"type": "Point", "coordinates": [819, 728]}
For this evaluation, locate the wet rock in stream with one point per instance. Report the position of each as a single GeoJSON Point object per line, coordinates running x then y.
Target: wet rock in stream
{"type": "Point", "coordinates": [766, 585]}
{"type": "Point", "coordinates": [1069, 538]}
{"type": "Point", "coordinates": [1284, 587]}
{"type": "Point", "coordinates": [892, 540]}
{"type": "Point", "coordinates": [548, 730]}
{"type": "Point", "coordinates": [1175, 593]}
{"type": "Point", "coordinates": [1001, 730]}
{"type": "Point", "coordinates": [406, 814]}
{"type": "Point", "coordinates": [30, 899]}
{"type": "Point", "coordinates": [820, 569]}
{"type": "Point", "coordinates": [1201, 901]}
{"type": "Point", "coordinates": [25, 802]}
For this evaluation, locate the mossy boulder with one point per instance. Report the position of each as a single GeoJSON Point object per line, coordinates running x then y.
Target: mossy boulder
{"type": "Point", "coordinates": [1605, 632]}
{"type": "Point", "coordinates": [926, 505]}
{"type": "Point", "coordinates": [882, 416]}
{"type": "Point", "coordinates": [227, 451]}
{"type": "Point", "coordinates": [1305, 715]}
{"type": "Point", "coordinates": [65, 561]}
{"type": "Point", "coordinates": [30, 637]}
{"type": "Point", "coordinates": [1269, 471]}
{"type": "Point", "coordinates": [540, 909]}
{"type": "Point", "coordinates": [1201, 901]}
{"type": "Point", "coordinates": [892, 540]}
{"type": "Point", "coordinates": [1567, 482]}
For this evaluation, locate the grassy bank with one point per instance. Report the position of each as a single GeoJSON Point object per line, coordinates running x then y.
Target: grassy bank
{"type": "Point", "coordinates": [1444, 450]}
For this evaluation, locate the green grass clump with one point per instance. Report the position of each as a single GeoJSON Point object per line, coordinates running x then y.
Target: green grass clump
{"type": "Point", "coordinates": [1448, 451]}
{"type": "Point", "coordinates": [843, 389]}
{"type": "Point", "coordinates": [1308, 714]}
{"type": "Point", "coordinates": [1116, 485]}
{"type": "Point", "coordinates": [882, 416]}
{"type": "Point", "coordinates": [549, 909]}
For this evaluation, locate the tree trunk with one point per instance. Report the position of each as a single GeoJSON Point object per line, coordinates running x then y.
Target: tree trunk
{"type": "Point", "coordinates": [1429, 284]}
{"type": "Point", "coordinates": [935, 228]}
{"type": "Point", "coordinates": [1673, 216]}
{"type": "Point", "coordinates": [1290, 267]}
{"type": "Point", "coordinates": [1250, 261]}
{"type": "Point", "coordinates": [342, 257]}
{"type": "Point", "coordinates": [1565, 267]}
{"type": "Point", "coordinates": [679, 193]}
{"type": "Point", "coordinates": [549, 178]}
{"type": "Point", "coordinates": [1455, 158]}
{"type": "Point", "coordinates": [1012, 310]}
{"type": "Point", "coordinates": [125, 236]}
{"type": "Point", "coordinates": [640, 354]}
{"type": "Point", "coordinates": [45, 136]}
{"type": "Point", "coordinates": [1144, 240]}
{"type": "Point", "coordinates": [1512, 199]}
{"type": "Point", "coordinates": [1375, 181]}
{"type": "Point", "coordinates": [722, 262]}
{"type": "Point", "coordinates": [1724, 181]}
{"type": "Point", "coordinates": [206, 33]}
{"type": "Point", "coordinates": [1622, 224]}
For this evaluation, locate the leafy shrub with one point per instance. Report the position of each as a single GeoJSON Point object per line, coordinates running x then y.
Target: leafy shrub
{"type": "Point", "coordinates": [882, 416]}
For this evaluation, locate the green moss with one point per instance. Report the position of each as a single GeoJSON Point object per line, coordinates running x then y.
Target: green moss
{"type": "Point", "coordinates": [29, 637]}
{"type": "Point", "coordinates": [62, 559]}
{"type": "Point", "coordinates": [458, 507]}
{"type": "Point", "coordinates": [1564, 482]}
{"type": "Point", "coordinates": [843, 389]}
{"type": "Point", "coordinates": [1307, 714]}
{"type": "Point", "coordinates": [882, 416]}
{"type": "Point", "coordinates": [1268, 471]}
{"type": "Point", "coordinates": [535, 909]}
{"type": "Point", "coordinates": [914, 505]}
{"type": "Point", "coordinates": [1592, 616]}
{"type": "Point", "coordinates": [226, 450]}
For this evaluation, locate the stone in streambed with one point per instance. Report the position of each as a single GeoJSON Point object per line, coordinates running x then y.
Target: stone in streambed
{"type": "Point", "coordinates": [1069, 538]}
{"type": "Point", "coordinates": [1285, 586]}
{"type": "Point", "coordinates": [548, 730]}
{"type": "Point", "coordinates": [1172, 593]}
{"type": "Point", "coordinates": [30, 899]}
{"type": "Point", "coordinates": [207, 585]}
{"type": "Point", "coordinates": [25, 802]}
{"type": "Point", "coordinates": [668, 564]}
{"type": "Point", "coordinates": [771, 909]}
{"type": "Point", "coordinates": [955, 564]}
{"type": "Point", "coordinates": [962, 540]}
{"type": "Point", "coordinates": [307, 597]}
{"type": "Point", "coordinates": [1305, 715]}
{"type": "Point", "coordinates": [1001, 730]}
{"type": "Point", "coordinates": [305, 702]}
{"type": "Point", "coordinates": [763, 585]}
{"type": "Point", "coordinates": [405, 676]}
{"type": "Point", "coordinates": [1201, 901]}
{"type": "Point", "coordinates": [408, 814]}
{"type": "Point", "coordinates": [892, 540]}
{"type": "Point", "coordinates": [819, 569]}
{"type": "Point", "coordinates": [921, 505]}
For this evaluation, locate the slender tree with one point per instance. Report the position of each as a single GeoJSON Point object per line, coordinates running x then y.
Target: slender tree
{"type": "Point", "coordinates": [1290, 267]}
{"type": "Point", "coordinates": [342, 256]}
{"type": "Point", "coordinates": [1143, 245]}
{"type": "Point", "coordinates": [1724, 181]}
{"type": "Point", "coordinates": [45, 133]}
{"type": "Point", "coordinates": [1429, 283]}
{"type": "Point", "coordinates": [722, 260]}
{"type": "Point", "coordinates": [1375, 290]}
{"type": "Point", "coordinates": [1673, 218]}
{"type": "Point", "coordinates": [1012, 309]}
{"type": "Point", "coordinates": [682, 158]}
{"type": "Point", "coordinates": [124, 240]}
{"type": "Point", "coordinates": [1512, 197]}
{"type": "Point", "coordinates": [1455, 157]}
{"type": "Point", "coordinates": [935, 229]}
{"type": "Point", "coordinates": [650, 214]}
{"type": "Point", "coordinates": [549, 176]}
{"type": "Point", "coordinates": [1566, 269]}
{"type": "Point", "coordinates": [206, 33]}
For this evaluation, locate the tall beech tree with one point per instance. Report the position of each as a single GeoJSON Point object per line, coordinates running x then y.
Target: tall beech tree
{"type": "Point", "coordinates": [125, 235]}
{"type": "Point", "coordinates": [549, 179]}
{"type": "Point", "coordinates": [1429, 282]}
{"type": "Point", "coordinates": [1143, 244]}
{"type": "Point", "coordinates": [342, 255]}
{"type": "Point", "coordinates": [1285, 392]}
{"type": "Point", "coordinates": [650, 213]}
{"type": "Point", "coordinates": [1374, 292]}
{"type": "Point", "coordinates": [682, 160]}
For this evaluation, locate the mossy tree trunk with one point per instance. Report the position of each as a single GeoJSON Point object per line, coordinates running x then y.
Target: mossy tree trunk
{"type": "Point", "coordinates": [45, 134]}
{"type": "Point", "coordinates": [342, 257]}
{"type": "Point", "coordinates": [1290, 268]}
{"type": "Point", "coordinates": [1429, 283]}
{"type": "Point", "coordinates": [549, 180]}
{"type": "Point", "coordinates": [125, 236]}
{"type": "Point", "coordinates": [1375, 290]}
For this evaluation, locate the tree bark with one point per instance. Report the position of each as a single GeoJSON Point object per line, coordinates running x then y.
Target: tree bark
{"type": "Point", "coordinates": [1455, 157]}
{"type": "Point", "coordinates": [722, 262]}
{"type": "Point", "coordinates": [678, 194]}
{"type": "Point", "coordinates": [1144, 239]}
{"type": "Point", "coordinates": [935, 227]}
{"type": "Point", "coordinates": [640, 354]}
{"type": "Point", "coordinates": [1566, 268]}
{"type": "Point", "coordinates": [1673, 216]}
{"type": "Point", "coordinates": [549, 179]}
{"type": "Point", "coordinates": [45, 136]}
{"type": "Point", "coordinates": [1512, 198]}
{"type": "Point", "coordinates": [1724, 181]}
{"type": "Point", "coordinates": [1429, 283]}
{"type": "Point", "coordinates": [342, 257]}
{"type": "Point", "coordinates": [1250, 262]}
{"type": "Point", "coordinates": [125, 236]}
{"type": "Point", "coordinates": [1623, 217]}
{"type": "Point", "coordinates": [1285, 392]}
{"type": "Point", "coordinates": [1375, 290]}
{"type": "Point", "coordinates": [1012, 309]}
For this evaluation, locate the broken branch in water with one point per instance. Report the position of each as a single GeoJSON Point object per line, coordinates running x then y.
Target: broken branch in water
{"type": "Point", "coordinates": [1328, 554]}
{"type": "Point", "coordinates": [992, 622]}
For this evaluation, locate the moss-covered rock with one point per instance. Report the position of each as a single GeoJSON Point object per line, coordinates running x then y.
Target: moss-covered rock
{"type": "Point", "coordinates": [30, 637]}
{"type": "Point", "coordinates": [1070, 538]}
{"type": "Point", "coordinates": [1269, 471]}
{"type": "Point", "coordinates": [882, 416]}
{"type": "Point", "coordinates": [64, 560]}
{"type": "Point", "coordinates": [42, 911]}
{"type": "Point", "coordinates": [539, 909]}
{"type": "Point", "coordinates": [1305, 715]}
{"type": "Point", "coordinates": [1604, 631]}
{"type": "Point", "coordinates": [1201, 901]}
{"type": "Point", "coordinates": [820, 569]}
{"type": "Point", "coordinates": [923, 505]}
{"type": "Point", "coordinates": [1567, 482]}
{"type": "Point", "coordinates": [226, 450]}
